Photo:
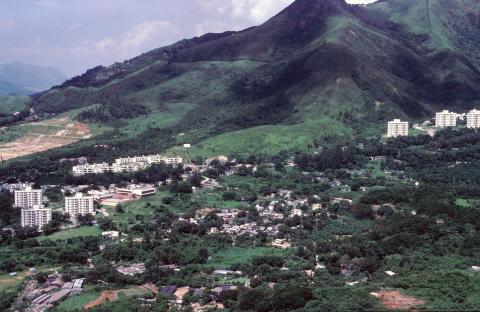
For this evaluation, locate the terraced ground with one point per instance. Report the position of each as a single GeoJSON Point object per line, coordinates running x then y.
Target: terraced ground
{"type": "Point", "coordinates": [30, 138]}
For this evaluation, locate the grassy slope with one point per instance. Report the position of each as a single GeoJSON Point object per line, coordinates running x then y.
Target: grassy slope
{"type": "Point", "coordinates": [269, 139]}
{"type": "Point", "coordinates": [12, 104]}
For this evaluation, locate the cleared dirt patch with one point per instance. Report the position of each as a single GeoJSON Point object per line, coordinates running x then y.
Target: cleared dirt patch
{"type": "Point", "coordinates": [105, 296]}
{"type": "Point", "coordinates": [394, 300]}
{"type": "Point", "coordinates": [44, 135]}
{"type": "Point", "coordinates": [112, 295]}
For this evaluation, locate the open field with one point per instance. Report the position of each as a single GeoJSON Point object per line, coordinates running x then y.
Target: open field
{"type": "Point", "coordinates": [30, 138]}
{"type": "Point", "coordinates": [82, 231]}
{"type": "Point", "coordinates": [143, 207]}
{"type": "Point", "coordinates": [76, 303]}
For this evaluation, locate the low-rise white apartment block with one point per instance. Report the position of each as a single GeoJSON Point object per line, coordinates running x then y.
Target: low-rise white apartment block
{"type": "Point", "coordinates": [445, 119]}
{"type": "Point", "coordinates": [128, 164]}
{"type": "Point", "coordinates": [28, 198]}
{"type": "Point", "coordinates": [37, 217]}
{"type": "Point", "coordinates": [91, 169]}
{"type": "Point", "coordinates": [473, 119]}
{"type": "Point", "coordinates": [397, 128]}
{"type": "Point", "coordinates": [150, 159]}
{"type": "Point", "coordinates": [79, 205]}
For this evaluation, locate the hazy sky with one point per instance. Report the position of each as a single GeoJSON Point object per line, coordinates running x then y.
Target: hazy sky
{"type": "Point", "coordinates": [74, 35]}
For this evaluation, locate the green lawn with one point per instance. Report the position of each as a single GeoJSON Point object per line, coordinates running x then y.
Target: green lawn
{"type": "Point", "coordinates": [467, 202]}
{"type": "Point", "coordinates": [224, 259]}
{"type": "Point", "coordinates": [82, 231]}
{"type": "Point", "coordinates": [142, 207]}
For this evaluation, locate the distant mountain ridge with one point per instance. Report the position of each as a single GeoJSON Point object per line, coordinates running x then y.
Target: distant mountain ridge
{"type": "Point", "coordinates": [17, 78]}
{"type": "Point", "coordinates": [322, 65]}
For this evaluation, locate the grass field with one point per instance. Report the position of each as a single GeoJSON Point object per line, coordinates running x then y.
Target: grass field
{"type": "Point", "coordinates": [82, 231]}
{"type": "Point", "coordinates": [76, 303]}
{"type": "Point", "coordinates": [374, 168]}
{"type": "Point", "coordinates": [142, 207]}
{"type": "Point", "coordinates": [226, 258]}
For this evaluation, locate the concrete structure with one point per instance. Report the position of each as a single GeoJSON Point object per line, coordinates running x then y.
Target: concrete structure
{"type": "Point", "coordinates": [36, 216]}
{"type": "Point", "coordinates": [445, 119]}
{"type": "Point", "coordinates": [128, 164]}
{"type": "Point", "coordinates": [91, 169]}
{"type": "Point", "coordinates": [397, 128]}
{"type": "Point", "coordinates": [473, 119]}
{"type": "Point", "coordinates": [137, 191]}
{"type": "Point", "coordinates": [79, 205]}
{"type": "Point", "coordinates": [28, 198]}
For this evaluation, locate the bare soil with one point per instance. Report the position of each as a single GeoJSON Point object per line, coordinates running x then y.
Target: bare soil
{"type": "Point", "coordinates": [44, 135]}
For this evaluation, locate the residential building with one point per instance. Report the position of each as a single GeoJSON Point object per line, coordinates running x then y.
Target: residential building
{"type": "Point", "coordinates": [28, 197]}
{"type": "Point", "coordinates": [79, 205]}
{"type": "Point", "coordinates": [445, 119]}
{"type": "Point", "coordinates": [397, 128]}
{"type": "Point", "coordinates": [128, 164]}
{"type": "Point", "coordinates": [473, 119]}
{"type": "Point", "coordinates": [91, 169]}
{"type": "Point", "coordinates": [37, 216]}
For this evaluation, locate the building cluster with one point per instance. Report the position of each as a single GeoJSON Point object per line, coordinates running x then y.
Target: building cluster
{"type": "Point", "coordinates": [30, 203]}
{"type": "Point", "coordinates": [34, 214]}
{"type": "Point", "coordinates": [44, 296]}
{"type": "Point", "coordinates": [449, 119]}
{"type": "Point", "coordinates": [128, 164]}
{"type": "Point", "coordinates": [443, 119]}
{"type": "Point", "coordinates": [117, 195]}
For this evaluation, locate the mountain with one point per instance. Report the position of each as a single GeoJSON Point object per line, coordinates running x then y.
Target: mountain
{"type": "Point", "coordinates": [22, 79]}
{"type": "Point", "coordinates": [318, 71]}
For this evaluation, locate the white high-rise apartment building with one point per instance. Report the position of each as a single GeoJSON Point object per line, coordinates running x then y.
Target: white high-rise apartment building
{"type": "Point", "coordinates": [397, 128]}
{"type": "Point", "coordinates": [445, 119]}
{"type": "Point", "coordinates": [28, 198]}
{"type": "Point", "coordinates": [36, 217]}
{"type": "Point", "coordinates": [473, 119]}
{"type": "Point", "coordinates": [79, 205]}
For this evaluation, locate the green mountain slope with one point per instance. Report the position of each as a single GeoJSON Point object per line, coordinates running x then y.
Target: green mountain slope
{"type": "Point", "coordinates": [318, 62]}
